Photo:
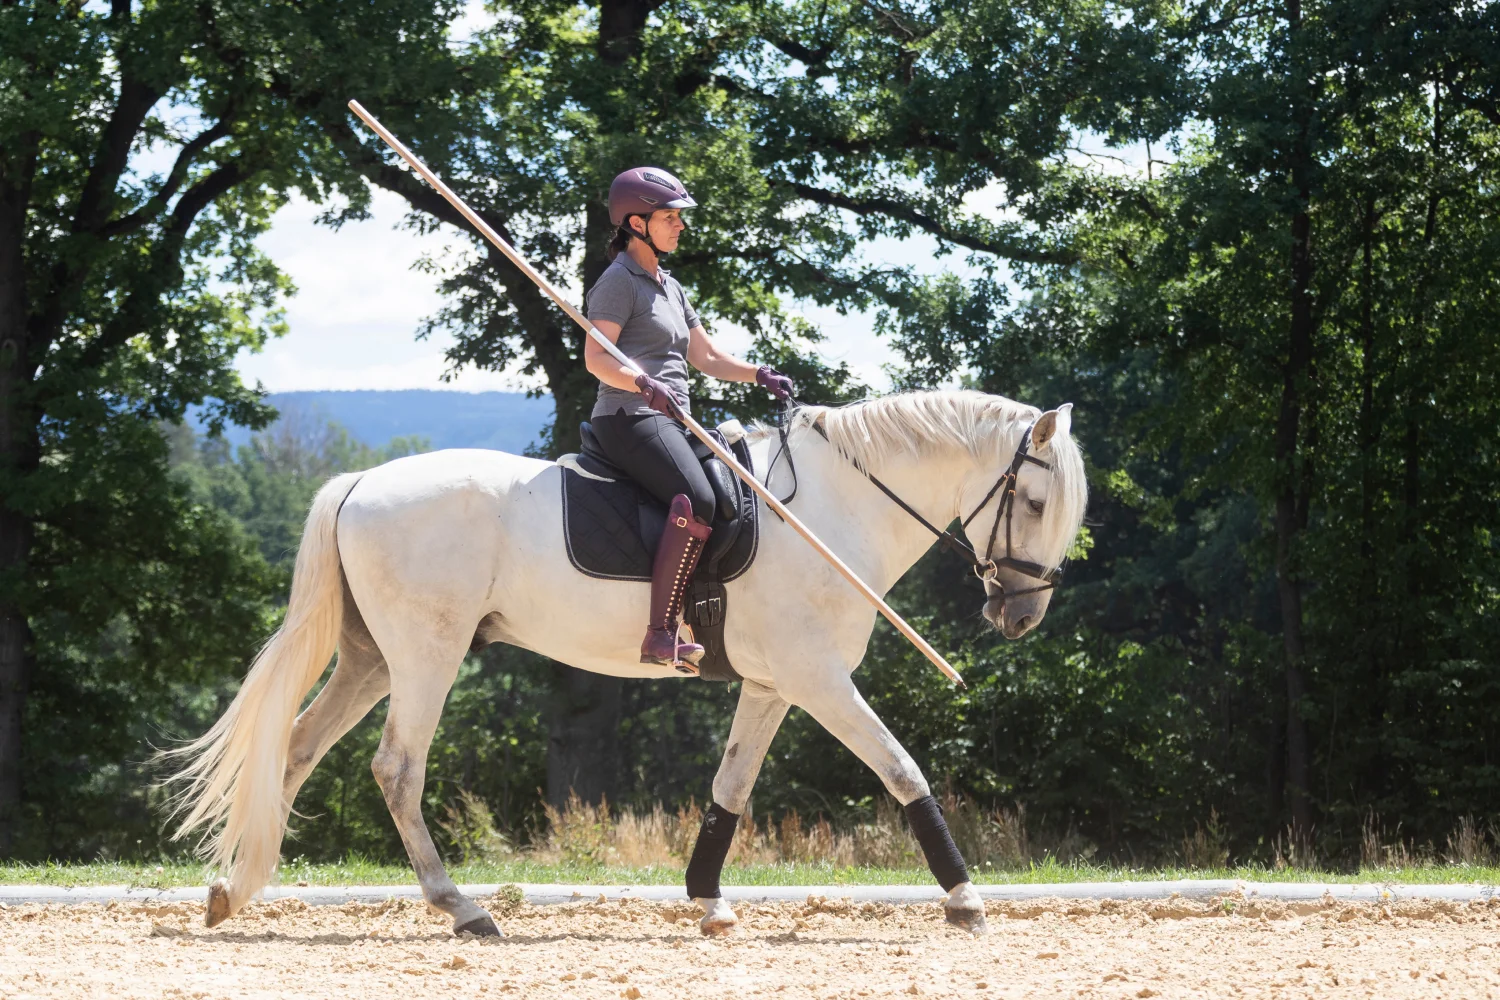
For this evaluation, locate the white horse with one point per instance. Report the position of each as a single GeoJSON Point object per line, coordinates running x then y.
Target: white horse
{"type": "Point", "coordinates": [403, 568]}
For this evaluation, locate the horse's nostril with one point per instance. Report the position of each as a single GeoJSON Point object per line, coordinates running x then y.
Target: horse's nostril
{"type": "Point", "coordinates": [1024, 623]}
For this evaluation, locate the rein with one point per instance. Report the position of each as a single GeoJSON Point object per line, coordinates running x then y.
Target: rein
{"type": "Point", "coordinates": [786, 449]}
{"type": "Point", "coordinates": [987, 567]}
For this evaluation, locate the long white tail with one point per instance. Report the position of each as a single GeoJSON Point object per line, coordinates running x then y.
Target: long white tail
{"type": "Point", "coordinates": [231, 783]}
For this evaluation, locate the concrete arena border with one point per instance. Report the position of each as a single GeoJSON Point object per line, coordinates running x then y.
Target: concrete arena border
{"type": "Point", "coordinates": [1206, 889]}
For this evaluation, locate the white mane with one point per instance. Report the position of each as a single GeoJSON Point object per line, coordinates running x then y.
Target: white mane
{"type": "Point", "coordinates": [983, 426]}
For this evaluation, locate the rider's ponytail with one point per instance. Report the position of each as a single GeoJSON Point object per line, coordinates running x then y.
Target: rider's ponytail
{"type": "Point", "coordinates": [618, 244]}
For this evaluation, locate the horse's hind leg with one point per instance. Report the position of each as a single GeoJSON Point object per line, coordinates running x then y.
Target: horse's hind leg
{"type": "Point", "coordinates": [358, 682]}
{"type": "Point", "coordinates": [419, 687]}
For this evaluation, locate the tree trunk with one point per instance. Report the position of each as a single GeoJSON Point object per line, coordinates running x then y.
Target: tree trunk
{"type": "Point", "coordinates": [1276, 763]}
{"type": "Point", "coordinates": [18, 457]}
{"type": "Point", "coordinates": [15, 668]}
{"type": "Point", "coordinates": [583, 748]}
{"type": "Point", "coordinates": [1369, 435]}
{"type": "Point", "coordinates": [1367, 431]}
{"type": "Point", "coordinates": [1288, 432]}
{"type": "Point", "coordinates": [584, 737]}
{"type": "Point", "coordinates": [1416, 392]}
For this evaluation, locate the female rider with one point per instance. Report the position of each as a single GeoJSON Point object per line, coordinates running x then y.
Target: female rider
{"type": "Point", "coordinates": [641, 308]}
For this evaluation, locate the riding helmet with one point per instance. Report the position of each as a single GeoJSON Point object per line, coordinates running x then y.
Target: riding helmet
{"type": "Point", "coordinates": [643, 190]}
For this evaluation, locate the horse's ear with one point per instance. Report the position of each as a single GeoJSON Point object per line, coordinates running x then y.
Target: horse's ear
{"type": "Point", "coordinates": [1053, 423]}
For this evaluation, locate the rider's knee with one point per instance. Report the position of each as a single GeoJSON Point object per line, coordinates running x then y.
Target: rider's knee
{"type": "Point", "coordinates": [704, 502]}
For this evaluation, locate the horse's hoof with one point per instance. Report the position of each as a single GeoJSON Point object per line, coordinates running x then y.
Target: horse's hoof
{"type": "Point", "coordinates": [969, 920]}
{"type": "Point", "coordinates": [217, 910]}
{"type": "Point", "coordinates": [965, 909]}
{"type": "Point", "coordinates": [481, 926]}
{"type": "Point", "coordinates": [718, 918]}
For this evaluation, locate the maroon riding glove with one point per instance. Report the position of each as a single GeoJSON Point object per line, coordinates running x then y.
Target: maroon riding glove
{"type": "Point", "coordinates": [658, 396]}
{"type": "Point", "coordinates": [779, 385]}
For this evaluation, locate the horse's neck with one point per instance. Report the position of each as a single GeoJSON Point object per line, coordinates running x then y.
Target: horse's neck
{"type": "Point", "coordinates": [873, 529]}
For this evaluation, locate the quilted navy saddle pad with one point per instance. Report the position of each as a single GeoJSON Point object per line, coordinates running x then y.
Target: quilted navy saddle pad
{"type": "Point", "coordinates": [611, 528]}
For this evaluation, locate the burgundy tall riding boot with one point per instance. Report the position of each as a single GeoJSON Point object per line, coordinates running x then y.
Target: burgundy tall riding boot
{"type": "Point", "coordinates": [676, 557]}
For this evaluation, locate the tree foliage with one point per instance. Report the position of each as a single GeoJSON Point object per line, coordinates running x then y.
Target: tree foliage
{"type": "Point", "coordinates": [1283, 348]}
{"type": "Point", "coordinates": [1279, 334]}
{"type": "Point", "coordinates": [143, 149]}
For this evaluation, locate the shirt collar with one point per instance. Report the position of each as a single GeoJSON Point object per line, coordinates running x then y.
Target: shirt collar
{"type": "Point", "coordinates": [631, 265]}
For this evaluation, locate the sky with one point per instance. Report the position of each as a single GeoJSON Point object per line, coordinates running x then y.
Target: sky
{"type": "Point", "coordinates": [360, 301]}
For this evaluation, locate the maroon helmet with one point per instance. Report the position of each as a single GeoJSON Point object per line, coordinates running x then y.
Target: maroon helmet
{"type": "Point", "coordinates": [643, 190]}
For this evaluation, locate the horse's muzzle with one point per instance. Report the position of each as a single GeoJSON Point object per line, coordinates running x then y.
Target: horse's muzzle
{"type": "Point", "coordinates": [1014, 618]}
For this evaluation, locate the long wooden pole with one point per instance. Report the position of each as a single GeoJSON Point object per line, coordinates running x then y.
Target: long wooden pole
{"type": "Point", "coordinates": [692, 425]}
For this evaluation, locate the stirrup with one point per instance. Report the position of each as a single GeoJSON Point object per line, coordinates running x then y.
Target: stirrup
{"type": "Point", "coordinates": [688, 667]}
{"type": "Point", "coordinates": [669, 650]}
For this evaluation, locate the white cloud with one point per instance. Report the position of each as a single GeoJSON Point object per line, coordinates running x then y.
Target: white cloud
{"type": "Point", "coordinates": [359, 304]}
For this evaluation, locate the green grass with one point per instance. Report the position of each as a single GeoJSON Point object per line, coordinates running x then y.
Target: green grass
{"type": "Point", "coordinates": [357, 871]}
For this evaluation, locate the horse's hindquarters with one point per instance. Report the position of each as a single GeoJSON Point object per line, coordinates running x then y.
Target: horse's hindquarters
{"type": "Point", "coordinates": [422, 538]}
{"type": "Point", "coordinates": [468, 544]}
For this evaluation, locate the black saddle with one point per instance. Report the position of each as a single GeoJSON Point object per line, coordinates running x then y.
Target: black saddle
{"type": "Point", "coordinates": [612, 526]}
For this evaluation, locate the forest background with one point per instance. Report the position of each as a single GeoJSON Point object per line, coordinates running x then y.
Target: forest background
{"type": "Point", "coordinates": [1281, 338]}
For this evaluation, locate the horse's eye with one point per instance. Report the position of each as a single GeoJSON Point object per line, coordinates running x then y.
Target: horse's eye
{"type": "Point", "coordinates": [1037, 506]}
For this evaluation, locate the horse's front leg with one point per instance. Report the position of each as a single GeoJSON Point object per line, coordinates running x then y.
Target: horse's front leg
{"type": "Point", "coordinates": [830, 697]}
{"type": "Point", "coordinates": [756, 720]}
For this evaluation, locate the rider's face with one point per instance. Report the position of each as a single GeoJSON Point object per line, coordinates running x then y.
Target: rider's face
{"type": "Point", "coordinates": [665, 228]}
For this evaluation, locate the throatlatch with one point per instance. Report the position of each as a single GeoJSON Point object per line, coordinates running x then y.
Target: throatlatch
{"type": "Point", "coordinates": [931, 831]}
{"type": "Point", "coordinates": [715, 837]}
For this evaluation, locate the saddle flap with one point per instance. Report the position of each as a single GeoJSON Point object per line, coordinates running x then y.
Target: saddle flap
{"type": "Point", "coordinates": [612, 525]}
{"type": "Point", "coordinates": [725, 486]}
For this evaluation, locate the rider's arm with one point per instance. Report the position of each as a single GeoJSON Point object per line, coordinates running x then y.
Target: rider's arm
{"type": "Point", "coordinates": [602, 365]}
{"type": "Point", "coordinates": [710, 359]}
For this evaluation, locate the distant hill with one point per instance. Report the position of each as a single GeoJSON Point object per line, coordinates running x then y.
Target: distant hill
{"type": "Point", "coordinates": [506, 421]}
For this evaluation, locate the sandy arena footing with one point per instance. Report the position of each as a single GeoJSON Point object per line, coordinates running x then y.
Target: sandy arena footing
{"type": "Point", "coordinates": [546, 894]}
{"type": "Point", "coordinates": [610, 945]}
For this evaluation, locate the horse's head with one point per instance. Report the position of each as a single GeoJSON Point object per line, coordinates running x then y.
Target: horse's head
{"type": "Point", "coordinates": [1026, 515]}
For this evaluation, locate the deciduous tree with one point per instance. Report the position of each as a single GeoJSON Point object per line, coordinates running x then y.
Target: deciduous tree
{"type": "Point", "coordinates": [143, 148]}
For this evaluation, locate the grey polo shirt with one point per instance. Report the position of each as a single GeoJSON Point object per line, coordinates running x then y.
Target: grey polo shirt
{"type": "Point", "coordinates": [655, 320]}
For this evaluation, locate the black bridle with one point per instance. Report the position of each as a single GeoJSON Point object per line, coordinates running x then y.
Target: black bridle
{"type": "Point", "coordinates": [988, 567]}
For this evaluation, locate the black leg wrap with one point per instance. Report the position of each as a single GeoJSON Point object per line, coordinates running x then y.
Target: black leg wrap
{"type": "Point", "coordinates": [715, 837]}
{"type": "Point", "coordinates": [931, 830]}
